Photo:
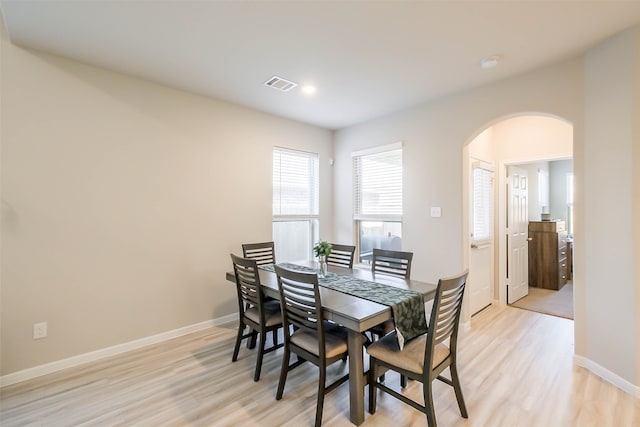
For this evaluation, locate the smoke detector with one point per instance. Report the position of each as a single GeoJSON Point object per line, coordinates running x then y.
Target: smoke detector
{"type": "Point", "coordinates": [278, 83]}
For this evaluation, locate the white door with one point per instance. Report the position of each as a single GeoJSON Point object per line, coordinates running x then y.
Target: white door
{"type": "Point", "coordinates": [480, 280]}
{"type": "Point", "coordinates": [517, 233]}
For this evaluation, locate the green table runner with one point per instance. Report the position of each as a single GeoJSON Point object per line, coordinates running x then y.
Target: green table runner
{"type": "Point", "coordinates": [407, 306]}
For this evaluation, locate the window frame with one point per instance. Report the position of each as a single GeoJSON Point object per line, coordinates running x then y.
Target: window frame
{"type": "Point", "coordinates": [312, 216]}
{"type": "Point", "coordinates": [489, 209]}
{"type": "Point", "coordinates": [358, 216]}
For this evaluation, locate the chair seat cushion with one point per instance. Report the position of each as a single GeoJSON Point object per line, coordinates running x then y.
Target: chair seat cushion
{"type": "Point", "coordinates": [411, 357]}
{"type": "Point", "coordinates": [272, 313]}
{"type": "Point", "coordinates": [335, 341]}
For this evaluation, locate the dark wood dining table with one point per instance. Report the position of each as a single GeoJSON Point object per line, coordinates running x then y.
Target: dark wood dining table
{"type": "Point", "coordinates": [354, 313]}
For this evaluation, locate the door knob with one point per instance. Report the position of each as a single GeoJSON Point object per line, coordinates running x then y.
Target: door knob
{"type": "Point", "coordinates": [529, 239]}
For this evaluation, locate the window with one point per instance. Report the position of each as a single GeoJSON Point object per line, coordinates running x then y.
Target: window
{"type": "Point", "coordinates": [377, 210]}
{"type": "Point", "coordinates": [482, 202]}
{"type": "Point", "coordinates": [570, 203]}
{"type": "Point", "coordinates": [295, 203]}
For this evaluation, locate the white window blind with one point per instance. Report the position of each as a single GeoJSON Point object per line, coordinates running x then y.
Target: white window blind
{"type": "Point", "coordinates": [295, 183]}
{"type": "Point", "coordinates": [377, 178]}
{"type": "Point", "coordinates": [482, 203]}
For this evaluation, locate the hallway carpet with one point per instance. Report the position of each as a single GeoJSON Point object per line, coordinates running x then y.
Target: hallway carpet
{"type": "Point", "coordinates": [556, 303]}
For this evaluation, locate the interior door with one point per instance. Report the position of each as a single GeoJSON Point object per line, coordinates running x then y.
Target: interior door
{"type": "Point", "coordinates": [517, 234]}
{"type": "Point", "coordinates": [480, 280]}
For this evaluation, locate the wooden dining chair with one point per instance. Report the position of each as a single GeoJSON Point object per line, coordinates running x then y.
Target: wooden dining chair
{"type": "Point", "coordinates": [424, 358]}
{"type": "Point", "coordinates": [256, 312]}
{"type": "Point", "coordinates": [390, 263]}
{"type": "Point", "coordinates": [315, 339]}
{"type": "Point", "coordinates": [262, 253]}
{"type": "Point", "coordinates": [341, 255]}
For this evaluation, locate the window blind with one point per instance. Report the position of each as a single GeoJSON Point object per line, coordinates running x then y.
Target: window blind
{"type": "Point", "coordinates": [482, 204]}
{"type": "Point", "coordinates": [377, 179]}
{"type": "Point", "coordinates": [295, 183]}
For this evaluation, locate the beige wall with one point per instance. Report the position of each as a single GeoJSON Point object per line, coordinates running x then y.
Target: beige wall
{"type": "Point", "coordinates": [609, 216]}
{"type": "Point", "coordinates": [636, 196]}
{"type": "Point", "coordinates": [530, 138]}
{"type": "Point", "coordinates": [121, 201]}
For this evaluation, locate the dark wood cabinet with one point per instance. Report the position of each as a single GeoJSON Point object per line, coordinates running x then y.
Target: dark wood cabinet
{"type": "Point", "coordinates": [548, 263]}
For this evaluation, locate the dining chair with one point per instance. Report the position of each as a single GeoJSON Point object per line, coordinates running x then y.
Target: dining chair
{"type": "Point", "coordinates": [341, 255]}
{"type": "Point", "coordinates": [262, 253]}
{"type": "Point", "coordinates": [315, 339]}
{"type": "Point", "coordinates": [390, 263]}
{"type": "Point", "coordinates": [425, 357]}
{"type": "Point", "coordinates": [256, 312]}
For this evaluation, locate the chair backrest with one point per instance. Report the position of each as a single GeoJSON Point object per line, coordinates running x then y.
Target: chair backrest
{"type": "Point", "coordinates": [300, 303]}
{"type": "Point", "coordinates": [250, 293]}
{"type": "Point", "coordinates": [393, 263]}
{"type": "Point", "coordinates": [341, 255]}
{"type": "Point", "coordinates": [445, 314]}
{"type": "Point", "coordinates": [262, 253]}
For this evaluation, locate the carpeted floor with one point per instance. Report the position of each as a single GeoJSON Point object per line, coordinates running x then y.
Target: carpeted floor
{"type": "Point", "coordinates": [557, 303]}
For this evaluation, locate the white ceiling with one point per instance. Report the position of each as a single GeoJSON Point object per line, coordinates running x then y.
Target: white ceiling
{"type": "Point", "coordinates": [367, 58]}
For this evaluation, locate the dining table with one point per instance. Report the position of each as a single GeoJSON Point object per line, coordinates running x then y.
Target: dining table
{"type": "Point", "coordinates": [356, 314]}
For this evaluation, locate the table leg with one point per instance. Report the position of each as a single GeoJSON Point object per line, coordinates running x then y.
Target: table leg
{"type": "Point", "coordinates": [356, 378]}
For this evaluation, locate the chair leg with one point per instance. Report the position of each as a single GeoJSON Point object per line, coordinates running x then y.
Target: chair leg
{"type": "Point", "coordinates": [428, 403]}
{"type": "Point", "coordinates": [321, 387]}
{"type": "Point", "coordinates": [403, 381]}
{"type": "Point", "coordinates": [373, 391]}
{"type": "Point", "coordinates": [238, 341]}
{"type": "Point", "coordinates": [455, 379]}
{"type": "Point", "coordinates": [263, 338]}
{"type": "Point", "coordinates": [251, 344]}
{"type": "Point", "coordinates": [274, 334]}
{"type": "Point", "coordinates": [283, 373]}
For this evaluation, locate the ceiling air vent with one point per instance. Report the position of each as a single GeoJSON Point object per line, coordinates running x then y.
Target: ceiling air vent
{"type": "Point", "coordinates": [280, 84]}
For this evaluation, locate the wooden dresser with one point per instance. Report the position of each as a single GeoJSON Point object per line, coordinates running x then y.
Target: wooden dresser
{"type": "Point", "coordinates": [548, 267]}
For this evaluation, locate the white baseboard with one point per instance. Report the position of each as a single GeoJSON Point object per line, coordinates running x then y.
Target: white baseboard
{"type": "Point", "coordinates": [48, 368]}
{"type": "Point", "coordinates": [607, 375]}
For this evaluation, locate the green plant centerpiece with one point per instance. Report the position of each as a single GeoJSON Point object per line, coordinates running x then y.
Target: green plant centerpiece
{"type": "Point", "coordinates": [322, 249]}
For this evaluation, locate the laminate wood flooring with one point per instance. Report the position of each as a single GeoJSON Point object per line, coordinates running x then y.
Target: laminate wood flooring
{"type": "Point", "coordinates": [515, 367]}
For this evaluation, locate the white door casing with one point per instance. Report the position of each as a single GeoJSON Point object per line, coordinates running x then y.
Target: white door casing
{"type": "Point", "coordinates": [517, 234]}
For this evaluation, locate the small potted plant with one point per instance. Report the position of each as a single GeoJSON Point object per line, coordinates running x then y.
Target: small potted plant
{"type": "Point", "coordinates": [321, 250]}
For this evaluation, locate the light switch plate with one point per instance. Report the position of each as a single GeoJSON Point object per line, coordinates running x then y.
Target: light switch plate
{"type": "Point", "coordinates": [436, 212]}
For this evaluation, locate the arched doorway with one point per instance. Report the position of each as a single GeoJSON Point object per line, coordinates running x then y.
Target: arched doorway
{"type": "Point", "coordinates": [522, 139]}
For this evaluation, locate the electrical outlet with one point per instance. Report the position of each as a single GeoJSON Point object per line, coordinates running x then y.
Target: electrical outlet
{"type": "Point", "coordinates": [39, 330]}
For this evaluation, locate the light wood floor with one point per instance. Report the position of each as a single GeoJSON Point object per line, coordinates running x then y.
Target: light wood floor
{"type": "Point", "coordinates": [515, 366]}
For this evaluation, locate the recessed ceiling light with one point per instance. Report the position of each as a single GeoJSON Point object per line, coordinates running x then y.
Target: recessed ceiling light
{"type": "Point", "coordinates": [490, 61]}
{"type": "Point", "coordinates": [309, 89]}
